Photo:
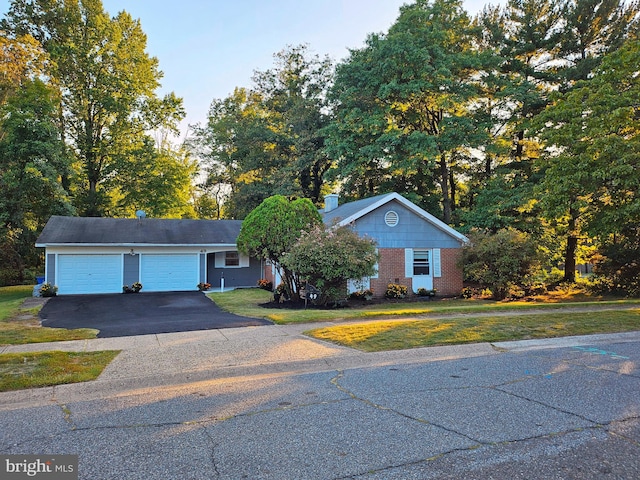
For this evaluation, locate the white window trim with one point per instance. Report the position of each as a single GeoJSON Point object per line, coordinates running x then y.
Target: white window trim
{"type": "Point", "coordinates": [220, 260]}
{"type": "Point", "coordinates": [435, 262]}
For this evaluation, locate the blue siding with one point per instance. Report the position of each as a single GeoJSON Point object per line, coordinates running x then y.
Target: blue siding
{"type": "Point", "coordinates": [412, 231]}
{"type": "Point", "coordinates": [131, 269]}
{"type": "Point", "coordinates": [203, 268]}
{"type": "Point", "coordinates": [234, 277]}
{"type": "Point", "coordinates": [51, 268]}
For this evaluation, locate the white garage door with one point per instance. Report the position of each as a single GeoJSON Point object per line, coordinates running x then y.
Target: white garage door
{"type": "Point", "coordinates": [167, 273]}
{"type": "Point", "coordinates": [89, 274]}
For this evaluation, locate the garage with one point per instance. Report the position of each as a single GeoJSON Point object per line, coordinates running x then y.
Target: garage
{"type": "Point", "coordinates": [101, 255]}
{"type": "Point", "coordinates": [89, 274]}
{"type": "Point", "coordinates": [169, 272]}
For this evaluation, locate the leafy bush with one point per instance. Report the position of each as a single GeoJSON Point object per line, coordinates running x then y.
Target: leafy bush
{"type": "Point", "coordinates": [265, 284]}
{"type": "Point", "coordinates": [516, 292]}
{"type": "Point", "coordinates": [134, 288]}
{"type": "Point", "coordinates": [499, 261]}
{"type": "Point", "coordinates": [362, 295]}
{"type": "Point", "coordinates": [328, 257]}
{"type": "Point", "coordinates": [395, 290]}
{"type": "Point", "coordinates": [617, 266]}
{"type": "Point", "coordinates": [423, 292]}
{"type": "Point", "coordinates": [282, 291]}
{"type": "Point", "coordinates": [467, 292]}
{"type": "Point", "coordinates": [271, 230]}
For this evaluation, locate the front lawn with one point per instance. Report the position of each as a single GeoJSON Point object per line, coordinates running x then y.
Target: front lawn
{"type": "Point", "coordinates": [398, 335]}
{"type": "Point", "coordinates": [42, 369]}
{"type": "Point", "coordinates": [11, 298]}
{"type": "Point", "coordinates": [18, 327]}
{"type": "Point", "coordinates": [246, 302]}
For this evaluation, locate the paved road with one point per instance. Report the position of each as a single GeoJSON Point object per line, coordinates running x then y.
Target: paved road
{"type": "Point", "coordinates": [119, 315]}
{"type": "Point", "coordinates": [269, 403]}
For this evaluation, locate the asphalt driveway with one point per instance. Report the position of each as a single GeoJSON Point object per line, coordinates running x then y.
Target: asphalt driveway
{"type": "Point", "coordinates": [119, 315]}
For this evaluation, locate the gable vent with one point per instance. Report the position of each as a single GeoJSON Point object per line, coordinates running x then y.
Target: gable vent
{"type": "Point", "coordinates": [391, 218]}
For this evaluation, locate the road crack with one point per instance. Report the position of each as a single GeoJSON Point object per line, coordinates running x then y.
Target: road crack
{"type": "Point", "coordinates": [336, 382]}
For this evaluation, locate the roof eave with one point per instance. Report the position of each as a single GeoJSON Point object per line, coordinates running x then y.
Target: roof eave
{"type": "Point", "coordinates": [129, 245]}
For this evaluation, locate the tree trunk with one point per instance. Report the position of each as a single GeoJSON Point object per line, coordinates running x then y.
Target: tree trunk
{"type": "Point", "coordinates": [519, 145]}
{"type": "Point", "coordinates": [487, 166]}
{"type": "Point", "coordinates": [452, 185]}
{"type": "Point", "coordinates": [444, 184]}
{"type": "Point", "coordinates": [572, 247]}
{"type": "Point", "coordinates": [570, 259]}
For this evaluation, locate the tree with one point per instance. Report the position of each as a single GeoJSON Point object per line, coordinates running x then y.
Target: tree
{"type": "Point", "coordinates": [32, 163]}
{"type": "Point", "coordinates": [21, 59]}
{"type": "Point", "coordinates": [499, 261]}
{"type": "Point", "coordinates": [593, 29]}
{"type": "Point", "coordinates": [545, 47]}
{"type": "Point", "coordinates": [402, 106]}
{"type": "Point", "coordinates": [106, 85]}
{"type": "Point", "coordinates": [295, 95]}
{"type": "Point", "coordinates": [593, 138]}
{"type": "Point", "coordinates": [272, 228]}
{"type": "Point", "coordinates": [328, 257]}
{"type": "Point", "coordinates": [155, 179]}
{"type": "Point", "coordinates": [269, 139]}
{"type": "Point", "coordinates": [521, 41]}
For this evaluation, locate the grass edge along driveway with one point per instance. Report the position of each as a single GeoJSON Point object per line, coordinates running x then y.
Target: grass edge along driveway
{"type": "Point", "coordinates": [40, 369]}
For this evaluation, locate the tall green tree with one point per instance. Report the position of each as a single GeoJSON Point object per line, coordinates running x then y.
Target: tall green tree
{"type": "Point", "coordinates": [269, 139]}
{"type": "Point", "coordinates": [402, 106]}
{"type": "Point", "coordinates": [107, 85]}
{"type": "Point", "coordinates": [593, 30]}
{"type": "Point", "coordinates": [155, 178]}
{"type": "Point", "coordinates": [295, 95]}
{"type": "Point", "coordinates": [593, 135]}
{"type": "Point", "coordinates": [522, 39]}
{"type": "Point", "coordinates": [32, 162]}
{"type": "Point", "coordinates": [238, 151]}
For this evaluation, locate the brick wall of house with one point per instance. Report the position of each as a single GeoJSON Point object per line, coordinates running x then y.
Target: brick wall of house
{"type": "Point", "coordinates": [268, 273]}
{"type": "Point", "coordinates": [391, 270]}
{"type": "Point", "coordinates": [450, 283]}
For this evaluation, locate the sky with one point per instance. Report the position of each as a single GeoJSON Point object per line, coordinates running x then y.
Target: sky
{"type": "Point", "coordinates": [206, 48]}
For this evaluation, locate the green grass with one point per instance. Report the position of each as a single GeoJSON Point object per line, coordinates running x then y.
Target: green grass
{"type": "Point", "coordinates": [11, 298]}
{"type": "Point", "coordinates": [398, 335]}
{"type": "Point", "coordinates": [246, 302]}
{"type": "Point", "coordinates": [15, 330]}
{"type": "Point", "coordinates": [41, 369]}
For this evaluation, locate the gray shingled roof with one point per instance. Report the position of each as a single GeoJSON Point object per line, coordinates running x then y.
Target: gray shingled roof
{"type": "Point", "coordinates": [348, 209]}
{"type": "Point", "coordinates": [126, 231]}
